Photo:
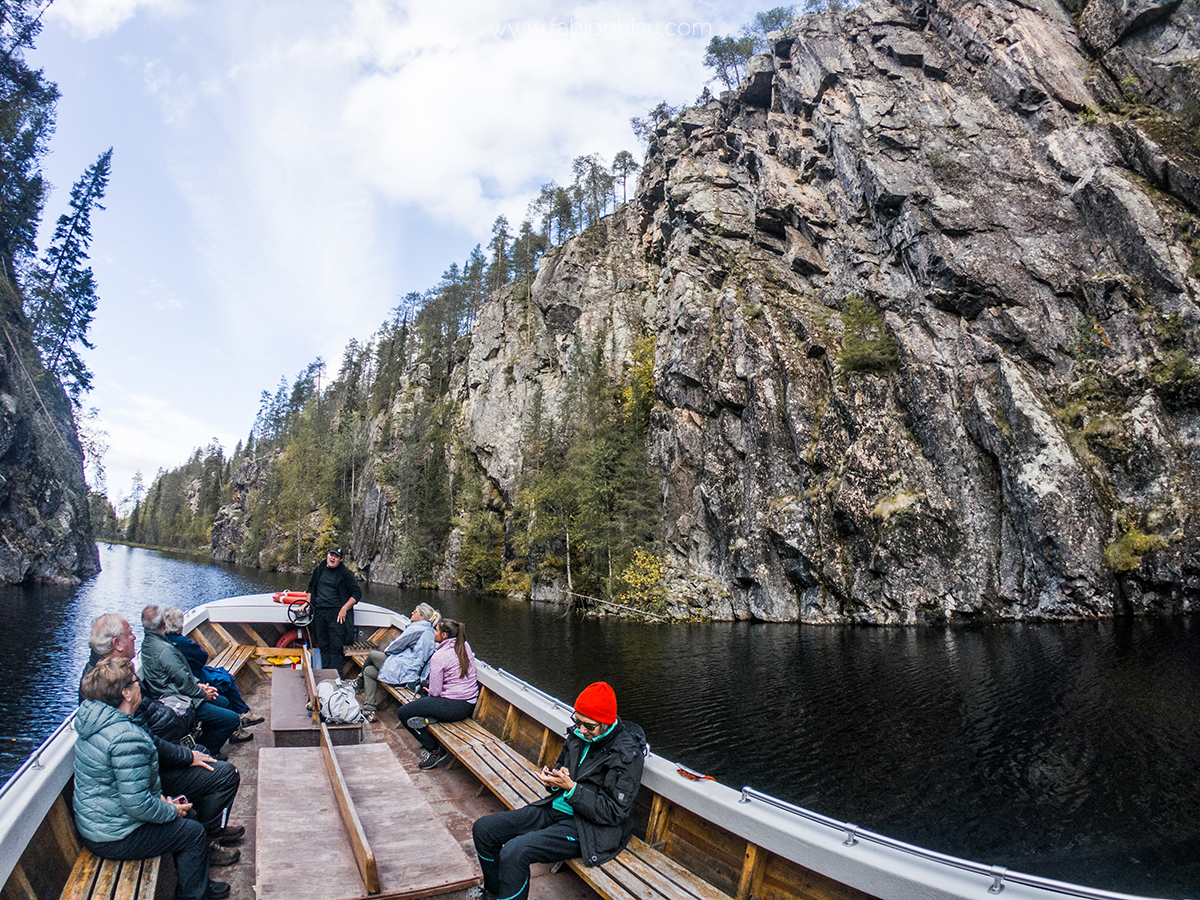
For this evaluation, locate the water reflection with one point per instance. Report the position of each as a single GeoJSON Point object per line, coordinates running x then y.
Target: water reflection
{"type": "Point", "coordinates": [1063, 750]}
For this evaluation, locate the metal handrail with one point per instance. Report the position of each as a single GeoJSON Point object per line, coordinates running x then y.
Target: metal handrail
{"type": "Point", "coordinates": [998, 874]}
{"type": "Point", "coordinates": [35, 758]}
{"type": "Point", "coordinates": [528, 688]}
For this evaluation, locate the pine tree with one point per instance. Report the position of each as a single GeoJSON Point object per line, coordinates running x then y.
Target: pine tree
{"type": "Point", "coordinates": [500, 267]}
{"type": "Point", "coordinates": [764, 23]}
{"type": "Point", "coordinates": [645, 126]}
{"type": "Point", "coordinates": [623, 166]}
{"type": "Point", "coordinates": [63, 289]}
{"type": "Point", "coordinates": [727, 57]}
{"type": "Point", "coordinates": [594, 184]}
{"type": "Point", "coordinates": [26, 122]}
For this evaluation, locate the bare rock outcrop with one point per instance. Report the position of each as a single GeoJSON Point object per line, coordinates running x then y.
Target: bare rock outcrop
{"type": "Point", "coordinates": [45, 525]}
{"type": "Point", "coordinates": [1015, 195]}
{"type": "Point", "coordinates": [923, 296]}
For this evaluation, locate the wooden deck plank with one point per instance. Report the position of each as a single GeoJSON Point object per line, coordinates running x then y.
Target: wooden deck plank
{"type": "Point", "coordinates": [300, 851]}
{"type": "Point", "coordinates": [668, 878]}
{"type": "Point", "coordinates": [149, 882]}
{"type": "Point", "coordinates": [253, 635]}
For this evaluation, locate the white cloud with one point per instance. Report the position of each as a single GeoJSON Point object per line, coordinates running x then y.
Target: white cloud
{"type": "Point", "coordinates": [278, 145]}
{"type": "Point", "coordinates": [147, 432]}
{"type": "Point", "coordinates": [91, 19]}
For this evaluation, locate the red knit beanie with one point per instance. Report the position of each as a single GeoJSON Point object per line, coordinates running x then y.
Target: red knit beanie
{"type": "Point", "coordinates": [598, 701]}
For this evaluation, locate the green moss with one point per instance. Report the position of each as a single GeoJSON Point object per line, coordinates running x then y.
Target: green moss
{"type": "Point", "coordinates": [1125, 553]}
{"type": "Point", "coordinates": [1177, 379]}
{"type": "Point", "coordinates": [867, 345]}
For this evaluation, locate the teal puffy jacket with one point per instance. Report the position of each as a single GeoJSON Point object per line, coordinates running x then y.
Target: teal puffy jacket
{"type": "Point", "coordinates": [117, 788]}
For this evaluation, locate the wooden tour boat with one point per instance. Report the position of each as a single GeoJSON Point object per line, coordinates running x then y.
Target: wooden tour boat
{"type": "Point", "coordinates": [344, 812]}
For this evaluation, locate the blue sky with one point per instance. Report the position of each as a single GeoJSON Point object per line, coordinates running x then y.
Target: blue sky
{"type": "Point", "coordinates": [284, 171]}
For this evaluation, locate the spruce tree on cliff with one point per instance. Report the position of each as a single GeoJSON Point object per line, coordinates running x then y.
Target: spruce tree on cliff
{"type": "Point", "coordinates": [26, 122]}
{"type": "Point", "coordinates": [62, 287]}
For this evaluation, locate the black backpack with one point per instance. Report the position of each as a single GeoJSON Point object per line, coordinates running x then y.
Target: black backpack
{"type": "Point", "coordinates": [164, 721]}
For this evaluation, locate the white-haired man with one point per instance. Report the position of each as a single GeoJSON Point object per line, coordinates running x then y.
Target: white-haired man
{"type": "Point", "coordinates": [209, 784]}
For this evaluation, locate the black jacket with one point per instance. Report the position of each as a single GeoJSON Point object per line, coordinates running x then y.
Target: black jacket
{"type": "Point", "coordinates": [605, 785]}
{"type": "Point", "coordinates": [347, 585]}
{"type": "Point", "coordinates": [151, 716]}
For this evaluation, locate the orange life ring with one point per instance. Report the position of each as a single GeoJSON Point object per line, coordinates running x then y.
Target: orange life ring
{"type": "Point", "coordinates": [289, 596]}
{"type": "Point", "coordinates": [292, 637]}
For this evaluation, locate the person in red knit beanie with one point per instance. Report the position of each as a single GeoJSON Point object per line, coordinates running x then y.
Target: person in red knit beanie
{"type": "Point", "coordinates": [589, 812]}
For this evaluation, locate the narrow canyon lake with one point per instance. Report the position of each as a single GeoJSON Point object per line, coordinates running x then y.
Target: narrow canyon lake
{"type": "Point", "coordinates": [1067, 750]}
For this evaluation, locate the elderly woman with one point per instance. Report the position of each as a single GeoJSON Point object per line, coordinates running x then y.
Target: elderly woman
{"type": "Point", "coordinates": [120, 809]}
{"type": "Point", "coordinates": [453, 690]}
{"type": "Point", "coordinates": [403, 660]}
{"type": "Point", "coordinates": [197, 660]}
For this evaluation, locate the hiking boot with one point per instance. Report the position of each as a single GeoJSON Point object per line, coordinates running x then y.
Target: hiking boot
{"type": "Point", "coordinates": [217, 890]}
{"type": "Point", "coordinates": [229, 834]}
{"type": "Point", "coordinates": [416, 723]}
{"type": "Point", "coordinates": [251, 719]}
{"type": "Point", "coordinates": [241, 735]}
{"type": "Point", "coordinates": [222, 856]}
{"type": "Point", "coordinates": [432, 758]}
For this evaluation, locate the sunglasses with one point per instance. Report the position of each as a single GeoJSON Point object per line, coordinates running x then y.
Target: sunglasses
{"type": "Point", "coordinates": [586, 726]}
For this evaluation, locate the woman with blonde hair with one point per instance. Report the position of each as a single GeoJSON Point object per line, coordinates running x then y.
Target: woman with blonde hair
{"type": "Point", "coordinates": [402, 661]}
{"type": "Point", "coordinates": [197, 660]}
{"type": "Point", "coordinates": [453, 690]}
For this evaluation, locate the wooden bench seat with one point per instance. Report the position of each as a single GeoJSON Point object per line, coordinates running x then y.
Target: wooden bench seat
{"type": "Point", "coordinates": [94, 878]}
{"type": "Point", "coordinates": [232, 658]}
{"type": "Point", "coordinates": [639, 873]}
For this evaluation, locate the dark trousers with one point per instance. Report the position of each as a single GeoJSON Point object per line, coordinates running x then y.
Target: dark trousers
{"type": "Point", "coordinates": [438, 708]}
{"type": "Point", "coordinates": [210, 793]}
{"type": "Point", "coordinates": [508, 843]}
{"type": "Point", "coordinates": [233, 696]}
{"type": "Point", "coordinates": [184, 839]}
{"type": "Point", "coordinates": [226, 686]}
{"type": "Point", "coordinates": [217, 722]}
{"type": "Point", "coordinates": [331, 636]}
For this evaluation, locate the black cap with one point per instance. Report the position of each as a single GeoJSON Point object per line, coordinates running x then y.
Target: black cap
{"type": "Point", "coordinates": [336, 551]}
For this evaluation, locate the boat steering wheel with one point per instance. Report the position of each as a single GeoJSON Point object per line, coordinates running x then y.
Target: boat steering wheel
{"type": "Point", "coordinates": [300, 614]}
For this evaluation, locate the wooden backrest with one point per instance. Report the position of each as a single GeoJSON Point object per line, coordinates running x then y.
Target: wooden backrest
{"type": "Point", "coordinates": [363, 854]}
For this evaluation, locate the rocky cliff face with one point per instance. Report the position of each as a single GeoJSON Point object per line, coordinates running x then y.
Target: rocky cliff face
{"type": "Point", "coordinates": [924, 298]}
{"type": "Point", "coordinates": [1015, 192]}
{"type": "Point", "coordinates": [45, 525]}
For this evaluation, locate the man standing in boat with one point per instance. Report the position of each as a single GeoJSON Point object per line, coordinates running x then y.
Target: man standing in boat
{"type": "Point", "coordinates": [589, 812]}
{"type": "Point", "coordinates": [333, 590]}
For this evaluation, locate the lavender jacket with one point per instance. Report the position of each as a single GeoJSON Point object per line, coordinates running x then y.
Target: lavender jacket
{"type": "Point", "coordinates": [444, 678]}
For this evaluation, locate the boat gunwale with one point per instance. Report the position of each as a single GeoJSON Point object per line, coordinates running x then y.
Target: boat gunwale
{"type": "Point", "coordinates": [876, 864]}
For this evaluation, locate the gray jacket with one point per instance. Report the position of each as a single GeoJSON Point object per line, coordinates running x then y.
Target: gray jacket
{"type": "Point", "coordinates": [408, 654]}
{"type": "Point", "coordinates": [165, 671]}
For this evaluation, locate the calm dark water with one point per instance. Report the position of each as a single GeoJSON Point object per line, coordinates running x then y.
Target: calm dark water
{"type": "Point", "coordinates": [1068, 751]}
